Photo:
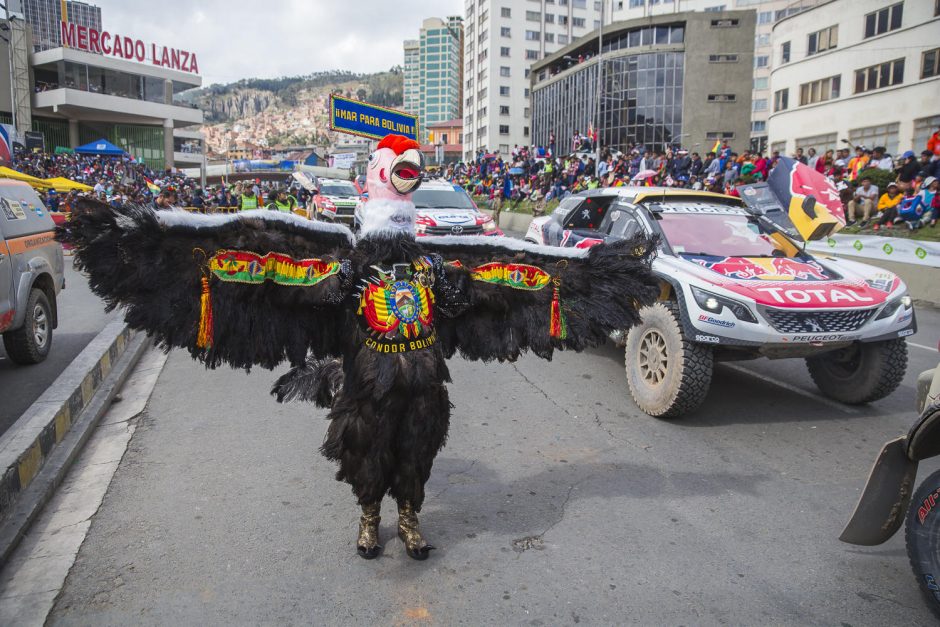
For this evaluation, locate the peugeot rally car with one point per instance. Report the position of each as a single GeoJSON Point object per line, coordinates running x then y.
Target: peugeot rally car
{"type": "Point", "coordinates": [334, 200]}
{"type": "Point", "coordinates": [735, 286]}
{"type": "Point", "coordinates": [445, 209]}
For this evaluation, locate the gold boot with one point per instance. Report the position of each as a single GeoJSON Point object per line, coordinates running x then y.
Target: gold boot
{"type": "Point", "coordinates": [408, 531]}
{"type": "Point", "coordinates": [367, 544]}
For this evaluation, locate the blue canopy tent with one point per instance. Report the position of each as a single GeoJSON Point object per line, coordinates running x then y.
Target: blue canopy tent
{"type": "Point", "coordinates": [100, 147]}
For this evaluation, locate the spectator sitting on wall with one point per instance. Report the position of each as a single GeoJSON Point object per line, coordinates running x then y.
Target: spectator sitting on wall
{"type": "Point", "coordinates": [888, 206]}
{"type": "Point", "coordinates": [865, 197]}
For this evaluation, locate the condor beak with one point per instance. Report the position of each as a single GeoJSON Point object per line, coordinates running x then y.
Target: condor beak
{"type": "Point", "coordinates": [406, 171]}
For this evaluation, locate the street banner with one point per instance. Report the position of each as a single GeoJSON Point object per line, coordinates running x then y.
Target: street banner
{"type": "Point", "coordinates": [343, 160]}
{"type": "Point", "coordinates": [897, 249]}
{"type": "Point", "coordinates": [368, 120]}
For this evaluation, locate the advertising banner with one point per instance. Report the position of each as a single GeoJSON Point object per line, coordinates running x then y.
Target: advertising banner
{"type": "Point", "coordinates": [368, 120]}
{"type": "Point", "coordinates": [343, 160]}
{"type": "Point", "coordinates": [897, 249]}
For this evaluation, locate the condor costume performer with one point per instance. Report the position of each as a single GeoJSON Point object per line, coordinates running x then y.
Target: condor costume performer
{"type": "Point", "coordinates": [375, 317]}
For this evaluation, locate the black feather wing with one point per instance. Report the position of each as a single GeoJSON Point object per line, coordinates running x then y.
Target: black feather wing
{"type": "Point", "coordinates": [598, 291]}
{"type": "Point", "coordinates": [152, 263]}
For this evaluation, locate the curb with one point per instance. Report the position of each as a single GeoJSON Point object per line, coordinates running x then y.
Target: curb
{"type": "Point", "coordinates": [37, 452]}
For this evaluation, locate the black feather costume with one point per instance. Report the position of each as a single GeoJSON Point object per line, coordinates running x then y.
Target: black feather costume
{"type": "Point", "coordinates": [366, 325]}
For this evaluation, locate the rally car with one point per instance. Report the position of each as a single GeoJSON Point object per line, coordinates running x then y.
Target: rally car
{"type": "Point", "coordinates": [335, 200]}
{"type": "Point", "coordinates": [736, 285]}
{"type": "Point", "coordinates": [443, 208]}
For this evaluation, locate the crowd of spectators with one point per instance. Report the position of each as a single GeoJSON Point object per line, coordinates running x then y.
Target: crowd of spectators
{"type": "Point", "coordinates": [540, 174]}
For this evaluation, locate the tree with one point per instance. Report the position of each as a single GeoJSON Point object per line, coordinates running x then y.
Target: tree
{"type": "Point", "coordinates": [361, 94]}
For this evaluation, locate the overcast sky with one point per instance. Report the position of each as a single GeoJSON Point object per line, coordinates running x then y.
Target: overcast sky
{"type": "Point", "coordinates": [235, 39]}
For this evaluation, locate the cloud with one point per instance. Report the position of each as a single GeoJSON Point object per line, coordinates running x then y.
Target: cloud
{"type": "Point", "coordinates": [235, 39]}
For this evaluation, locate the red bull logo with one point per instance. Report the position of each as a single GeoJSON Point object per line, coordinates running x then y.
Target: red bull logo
{"type": "Point", "coordinates": [766, 269]}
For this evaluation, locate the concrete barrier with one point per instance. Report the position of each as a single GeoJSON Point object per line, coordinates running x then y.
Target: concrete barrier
{"type": "Point", "coordinates": [36, 452]}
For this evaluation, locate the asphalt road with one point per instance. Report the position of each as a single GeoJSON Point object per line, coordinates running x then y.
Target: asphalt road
{"type": "Point", "coordinates": [556, 501]}
{"type": "Point", "coordinates": [81, 317]}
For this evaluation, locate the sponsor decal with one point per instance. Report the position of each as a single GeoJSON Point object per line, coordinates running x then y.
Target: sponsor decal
{"type": "Point", "coordinates": [763, 268]}
{"type": "Point", "coordinates": [825, 295]}
{"type": "Point", "coordinates": [905, 332]}
{"type": "Point", "coordinates": [711, 339]}
{"type": "Point", "coordinates": [715, 321]}
{"type": "Point", "coordinates": [825, 337]}
{"type": "Point", "coordinates": [451, 218]}
{"type": "Point", "coordinates": [906, 316]}
{"type": "Point", "coordinates": [927, 505]}
{"type": "Point", "coordinates": [12, 209]}
{"type": "Point", "coordinates": [6, 319]}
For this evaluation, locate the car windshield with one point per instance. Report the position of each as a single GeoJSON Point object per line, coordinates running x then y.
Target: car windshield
{"type": "Point", "coordinates": [719, 234]}
{"type": "Point", "coordinates": [338, 189]}
{"type": "Point", "coordinates": [442, 199]}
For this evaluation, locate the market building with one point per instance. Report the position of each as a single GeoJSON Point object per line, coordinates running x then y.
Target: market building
{"type": "Point", "coordinates": [857, 72]}
{"type": "Point", "coordinates": [90, 83]}
{"type": "Point", "coordinates": [665, 80]}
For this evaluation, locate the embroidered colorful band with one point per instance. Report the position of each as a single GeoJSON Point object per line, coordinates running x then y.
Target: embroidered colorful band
{"type": "Point", "coordinates": [515, 275]}
{"type": "Point", "coordinates": [238, 266]}
{"type": "Point", "coordinates": [381, 346]}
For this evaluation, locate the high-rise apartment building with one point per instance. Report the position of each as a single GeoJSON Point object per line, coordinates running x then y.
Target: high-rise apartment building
{"type": "Point", "coordinates": [502, 40]}
{"type": "Point", "coordinates": [768, 12]}
{"type": "Point", "coordinates": [433, 72]}
{"type": "Point", "coordinates": [45, 16]}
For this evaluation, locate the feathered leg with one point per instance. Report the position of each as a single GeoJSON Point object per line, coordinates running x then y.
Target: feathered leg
{"type": "Point", "coordinates": [422, 432]}
{"type": "Point", "coordinates": [367, 545]}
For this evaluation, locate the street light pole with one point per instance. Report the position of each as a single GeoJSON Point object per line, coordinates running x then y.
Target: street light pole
{"type": "Point", "coordinates": [600, 79]}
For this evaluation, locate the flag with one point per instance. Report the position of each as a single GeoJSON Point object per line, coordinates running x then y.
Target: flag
{"type": "Point", "coordinates": [716, 147]}
{"type": "Point", "coordinates": [153, 188]}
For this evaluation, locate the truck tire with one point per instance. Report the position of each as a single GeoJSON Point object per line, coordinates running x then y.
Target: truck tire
{"type": "Point", "coordinates": [30, 343]}
{"type": "Point", "coordinates": [922, 533]}
{"type": "Point", "coordinates": [861, 373]}
{"type": "Point", "coordinates": [668, 375]}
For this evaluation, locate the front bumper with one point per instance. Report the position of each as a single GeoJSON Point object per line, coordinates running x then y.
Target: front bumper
{"type": "Point", "coordinates": [782, 331]}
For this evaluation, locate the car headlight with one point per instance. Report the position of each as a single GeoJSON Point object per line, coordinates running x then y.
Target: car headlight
{"type": "Point", "coordinates": [891, 308]}
{"type": "Point", "coordinates": [489, 226]}
{"type": "Point", "coordinates": [715, 304]}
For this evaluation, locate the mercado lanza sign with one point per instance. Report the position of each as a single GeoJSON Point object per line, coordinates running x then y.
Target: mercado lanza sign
{"type": "Point", "coordinates": [368, 120]}
{"type": "Point", "coordinates": [114, 45]}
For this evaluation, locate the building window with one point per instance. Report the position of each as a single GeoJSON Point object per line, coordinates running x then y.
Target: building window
{"type": "Point", "coordinates": [549, 18]}
{"type": "Point", "coordinates": [879, 76]}
{"type": "Point", "coordinates": [819, 143]}
{"type": "Point", "coordinates": [758, 126]}
{"type": "Point", "coordinates": [533, 16]}
{"type": "Point", "coordinates": [549, 38]}
{"type": "Point", "coordinates": [882, 135]}
{"type": "Point", "coordinates": [528, 71]}
{"type": "Point", "coordinates": [930, 63]}
{"type": "Point", "coordinates": [765, 17]}
{"type": "Point", "coordinates": [503, 90]}
{"type": "Point", "coordinates": [785, 52]}
{"type": "Point", "coordinates": [884, 20]}
{"type": "Point", "coordinates": [761, 60]}
{"type": "Point", "coordinates": [715, 9]}
{"type": "Point", "coordinates": [562, 20]}
{"type": "Point", "coordinates": [563, 39]}
{"type": "Point", "coordinates": [923, 129]}
{"type": "Point", "coordinates": [504, 70]}
{"type": "Point", "coordinates": [504, 51]}
{"type": "Point", "coordinates": [719, 135]}
{"type": "Point", "coordinates": [732, 23]}
{"type": "Point", "coordinates": [532, 35]}
{"type": "Point", "coordinates": [722, 58]}
{"type": "Point", "coordinates": [505, 12]}
{"type": "Point", "coordinates": [504, 109]}
{"type": "Point", "coordinates": [781, 99]}
{"type": "Point", "coordinates": [820, 91]}
{"type": "Point", "coordinates": [822, 40]}
{"type": "Point", "coordinates": [722, 98]}
{"type": "Point", "coordinates": [504, 31]}
{"type": "Point", "coordinates": [525, 113]}
{"type": "Point", "coordinates": [778, 147]}
{"type": "Point", "coordinates": [761, 82]}
{"type": "Point", "coordinates": [759, 104]}
{"type": "Point", "coordinates": [762, 39]}
{"type": "Point", "coordinates": [525, 131]}
{"type": "Point", "coordinates": [531, 54]}
{"type": "Point", "coordinates": [504, 129]}
{"type": "Point", "coordinates": [577, 22]}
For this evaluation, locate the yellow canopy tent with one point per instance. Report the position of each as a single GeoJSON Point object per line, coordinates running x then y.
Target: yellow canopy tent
{"type": "Point", "coordinates": [9, 173]}
{"type": "Point", "coordinates": [62, 184]}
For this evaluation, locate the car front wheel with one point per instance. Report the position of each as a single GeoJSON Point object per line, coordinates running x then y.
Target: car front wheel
{"type": "Point", "coordinates": [30, 343]}
{"type": "Point", "coordinates": [668, 375]}
{"type": "Point", "coordinates": [860, 373]}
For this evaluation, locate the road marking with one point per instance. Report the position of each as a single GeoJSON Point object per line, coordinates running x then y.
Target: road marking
{"type": "Point", "coordinates": [932, 349]}
{"type": "Point", "coordinates": [796, 390]}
